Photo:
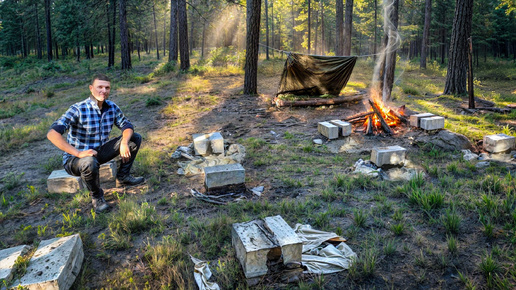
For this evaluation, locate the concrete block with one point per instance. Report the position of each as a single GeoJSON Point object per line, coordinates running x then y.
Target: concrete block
{"type": "Point", "coordinates": [217, 143]}
{"type": "Point", "coordinates": [291, 245]}
{"type": "Point", "coordinates": [415, 120]}
{"type": "Point", "coordinates": [55, 264]}
{"type": "Point", "coordinates": [252, 246]}
{"type": "Point", "coordinates": [432, 123]}
{"type": "Point", "coordinates": [498, 143]}
{"type": "Point", "coordinates": [390, 155]}
{"type": "Point", "coordinates": [59, 181]}
{"type": "Point", "coordinates": [8, 258]}
{"type": "Point", "coordinates": [344, 127]}
{"type": "Point", "coordinates": [328, 130]}
{"type": "Point", "coordinates": [222, 175]}
{"type": "Point", "coordinates": [201, 143]}
{"type": "Point", "coordinates": [107, 171]}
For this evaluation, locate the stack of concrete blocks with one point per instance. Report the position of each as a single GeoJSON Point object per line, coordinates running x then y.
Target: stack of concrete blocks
{"type": "Point", "coordinates": [60, 181]}
{"type": "Point", "coordinates": [389, 156]}
{"type": "Point", "coordinates": [334, 128]}
{"type": "Point", "coordinates": [206, 144]}
{"type": "Point", "coordinates": [427, 121]}
{"type": "Point", "coordinates": [258, 241]}
{"type": "Point", "coordinates": [499, 143]}
{"type": "Point", "coordinates": [55, 264]}
{"type": "Point", "coordinates": [223, 175]}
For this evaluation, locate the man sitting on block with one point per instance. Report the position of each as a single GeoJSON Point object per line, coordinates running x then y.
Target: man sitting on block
{"type": "Point", "coordinates": [87, 144]}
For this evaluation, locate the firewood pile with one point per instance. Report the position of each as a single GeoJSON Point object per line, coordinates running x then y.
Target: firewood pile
{"type": "Point", "coordinates": [379, 119]}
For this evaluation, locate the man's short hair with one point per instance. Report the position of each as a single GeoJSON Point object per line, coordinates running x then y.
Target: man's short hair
{"type": "Point", "coordinates": [100, 77]}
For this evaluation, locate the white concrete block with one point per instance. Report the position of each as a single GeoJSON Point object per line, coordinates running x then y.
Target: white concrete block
{"type": "Point", "coordinates": [54, 265]}
{"type": "Point", "coordinates": [390, 155]}
{"type": "Point", "coordinates": [59, 181]}
{"type": "Point", "coordinates": [415, 120]}
{"type": "Point", "coordinates": [107, 171]}
{"type": "Point", "coordinates": [201, 143]}
{"type": "Point", "coordinates": [8, 258]}
{"type": "Point", "coordinates": [252, 246]}
{"type": "Point", "coordinates": [498, 143]}
{"type": "Point", "coordinates": [432, 123]}
{"type": "Point", "coordinates": [217, 143]}
{"type": "Point", "coordinates": [344, 127]}
{"type": "Point", "coordinates": [328, 130]}
{"type": "Point", "coordinates": [222, 175]}
{"type": "Point", "coordinates": [290, 243]}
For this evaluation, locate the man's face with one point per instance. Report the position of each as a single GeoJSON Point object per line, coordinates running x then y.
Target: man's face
{"type": "Point", "coordinates": [100, 90]}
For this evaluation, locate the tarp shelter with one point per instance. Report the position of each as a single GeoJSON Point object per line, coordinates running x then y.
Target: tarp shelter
{"type": "Point", "coordinates": [315, 75]}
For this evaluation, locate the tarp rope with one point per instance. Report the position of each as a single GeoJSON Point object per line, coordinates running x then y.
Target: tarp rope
{"type": "Point", "coordinates": [286, 52]}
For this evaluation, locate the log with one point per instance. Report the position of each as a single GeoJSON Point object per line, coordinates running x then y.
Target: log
{"type": "Point", "coordinates": [385, 127]}
{"type": "Point", "coordinates": [358, 120]}
{"type": "Point", "coordinates": [360, 115]}
{"type": "Point", "coordinates": [402, 119]}
{"type": "Point", "coordinates": [486, 103]}
{"type": "Point", "coordinates": [316, 102]}
{"type": "Point", "coordinates": [369, 130]}
{"type": "Point", "coordinates": [497, 110]}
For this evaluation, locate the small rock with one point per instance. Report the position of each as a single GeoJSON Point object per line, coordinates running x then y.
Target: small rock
{"type": "Point", "coordinates": [468, 155]}
{"type": "Point", "coordinates": [273, 133]}
{"type": "Point", "coordinates": [318, 141]}
{"type": "Point", "coordinates": [502, 157]}
{"type": "Point", "coordinates": [180, 171]}
{"type": "Point", "coordinates": [482, 164]}
{"type": "Point", "coordinates": [483, 156]}
{"type": "Point", "coordinates": [258, 190]}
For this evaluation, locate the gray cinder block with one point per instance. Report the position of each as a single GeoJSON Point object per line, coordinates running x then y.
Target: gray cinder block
{"type": "Point", "coordinates": [432, 123]}
{"type": "Point", "coordinates": [415, 120]}
{"type": "Point", "coordinates": [8, 258]}
{"type": "Point", "coordinates": [201, 143]}
{"type": "Point", "coordinates": [107, 171]}
{"type": "Point", "coordinates": [252, 246]}
{"type": "Point", "coordinates": [498, 143]}
{"type": "Point", "coordinates": [291, 245]}
{"type": "Point", "coordinates": [328, 130]}
{"type": "Point", "coordinates": [390, 155]}
{"type": "Point", "coordinates": [55, 264]}
{"type": "Point", "coordinates": [222, 175]}
{"type": "Point", "coordinates": [59, 181]}
{"type": "Point", "coordinates": [344, 127]}
{"type": "Point", "coordinates": [217, 143]}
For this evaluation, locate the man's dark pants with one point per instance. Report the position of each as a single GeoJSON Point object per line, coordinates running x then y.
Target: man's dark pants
{"type": "Point", "coordinates": [88, 167]}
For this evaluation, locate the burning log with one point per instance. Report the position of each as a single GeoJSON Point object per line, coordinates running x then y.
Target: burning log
{"type": "Point", "coordinates": [402, 119]}
{"type": "Point", "coordinates": [369, 130]}
{"type": "Point", "coordinates": [358, 116]}
{"type": "Point", "coordinates": [378, 113]}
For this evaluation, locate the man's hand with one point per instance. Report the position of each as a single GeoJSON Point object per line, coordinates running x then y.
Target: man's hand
{"type": "Point", "coordinates": [87, 153]}
{"type": "Point", "coordinates": [125, 153]}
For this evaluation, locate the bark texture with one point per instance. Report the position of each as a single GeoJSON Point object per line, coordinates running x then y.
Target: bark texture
{"type": "Point", "coordinates": [458, 60]}
{"type": "Point", "coordinates": [339, 23]}
{"type": "Point", "coordinates": [252, 42]}
{"type": "Point", "coordinates": [49, 30]}
{"type": "Point", "coordinates": [426, 33]}
{"type": "Point", "coordinates": [184, 52]}
{"type": "Point", "coordinates": [172, 46]}
{"type": "Point", "coordinates": [124, 36]}
{"type": "Point", "coordinates": [348, 27]}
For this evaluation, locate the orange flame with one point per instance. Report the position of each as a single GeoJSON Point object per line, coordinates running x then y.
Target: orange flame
{"type": "Point", "coordinates": [387, 113]}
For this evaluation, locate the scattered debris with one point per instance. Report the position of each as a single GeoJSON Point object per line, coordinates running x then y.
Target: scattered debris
{"type": "Point", "coordinates": [202, 274]}
{"type": "Point", "coordinates": [468, 155]}
{"type": "Point", "coordinates": [318, 141]}
{"type": "Point", "coordinates": [482, 164]}
{"type": "Point", "coordinates": [367, 168]}
{"type": "Point", "coordinates": [257, 190]}
{"type": "Point", "coordinates": [234, 154]}
{"type": "Point", "coordinates": [219, 198]}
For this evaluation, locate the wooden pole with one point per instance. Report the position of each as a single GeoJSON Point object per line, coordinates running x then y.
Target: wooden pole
{"type": "Point", "coordinates": [471, 104]}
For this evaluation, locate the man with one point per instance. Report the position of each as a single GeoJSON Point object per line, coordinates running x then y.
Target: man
{"type": "Point", "coordinates": [87, 144]}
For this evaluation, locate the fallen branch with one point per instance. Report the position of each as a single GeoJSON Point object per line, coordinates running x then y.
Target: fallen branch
{"type": "Point", "coordinates": [316, 102]}
{"type": "Point", "coordinates": [385, 127]}
{"type": "Point", "coordinates": [357, 116]}
{"type": "Point", "coordinates": [369, 130]}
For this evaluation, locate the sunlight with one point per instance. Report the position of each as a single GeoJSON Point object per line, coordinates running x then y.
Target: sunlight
{"type": "Point", "coordinates": [144, 89]}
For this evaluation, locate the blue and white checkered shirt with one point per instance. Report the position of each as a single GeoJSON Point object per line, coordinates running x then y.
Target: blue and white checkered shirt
{"type": "Point", "coordinates": [88, 126]}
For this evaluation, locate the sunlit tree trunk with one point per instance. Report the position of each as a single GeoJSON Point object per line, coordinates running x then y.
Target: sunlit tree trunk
{"type": "Point", "coordinates": [124, 36]}
{"type": "Point", "coordinates": [426, 32]}
{"type": "Point", "coordinates": [316, 29]}
{"type": "Point", "coordinates": [339, 40]}
{"type": "Point", "coordinates": [172, 45]}
{"type": "Point", "coordinates": [49, 30]}
{"type": "Point", "coordinates": [375, 28]}
{"type": "Point", "coordinates": [348, 27]}
{"type": "Point", "coordinates": [252, 42]}
{"type": "Point", "coordinates": [155, 29]}
{"type": "Point", "coordinates": [183, 36]}
{"type": "Point", "coordinates": [458, 60]}
{"type": "Point", "coordinates": [309, 27]}
{"type": "Point", "coordinates": [267, 29]}
{"type": "Point", "coordinates": [38, 33]}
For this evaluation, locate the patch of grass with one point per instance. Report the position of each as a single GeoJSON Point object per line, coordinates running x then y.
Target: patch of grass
{"type": "Point", "coordinates": [359, 218]}
{"type": "Point", "coordinates": [390, 247]}
{"type": "Point", "coordinates": [167, 261]}
{"type": "Point", "coordinates": [488, 266]}
{"type": "Point", "coordinates": [365, 265]}
{"type": "Point", "coordinates": [214, 236]}
{"type": "Point", "coordinates": [451, 221]}
{"type": "Point", "coordinates": [153, 101]}
{"type": "Point", "coordinates": [12, 180]}
{"type": "Point", "coordinates": [52, 163]}
{"type": "Point", "coordinates": [398, 228]}
{"type": "Point", "coordinates": [451, 241]}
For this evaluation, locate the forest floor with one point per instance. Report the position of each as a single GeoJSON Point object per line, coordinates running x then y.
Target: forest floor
{"type": "Point", "coordinates": [452, 227]}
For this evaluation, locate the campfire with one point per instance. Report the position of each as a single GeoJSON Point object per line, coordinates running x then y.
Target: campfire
{"type": "Point", "coordinates": [380, 118]}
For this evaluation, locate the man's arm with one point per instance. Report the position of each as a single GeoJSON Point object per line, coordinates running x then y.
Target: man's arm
{"type": "Point", "coordinates": [125, 153]}
{"type": "Point", "coordinates": [59, 141]}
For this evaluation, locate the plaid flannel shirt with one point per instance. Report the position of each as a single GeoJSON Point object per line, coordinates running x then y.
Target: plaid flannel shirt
{"type": "Point", "coordinates": [88, 126]}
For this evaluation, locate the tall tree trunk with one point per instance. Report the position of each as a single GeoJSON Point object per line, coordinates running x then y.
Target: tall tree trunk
{"type": "Point", "coordinates": [293, 24]}
{"type": "Point", "coordinates": [267, 29]}
{"type": "Point", "coordinates": [124, 36]}
{"type": "Point", "coordinates": [443, 42]}
{"type": "Point", "coordinates": [49, 30]}
{"type": "Point", "coordinates": [348, 27]}
{"type": "Point", "coordinates": [192, 28]}
{"type": "Point", "coordinates": [316, 29]}
{"type": "Point", "coordinates": [164, 34]}
{"type": "Point", "coordinates": [111, 33]}
{"type": "Point", "coordinates": [339, 23]}
{"type": "Point", "coordinates": [172, 45]}
{"type": "Point", "coordinates": [39, 49]}
{"type": "Point", "coordinates": [183, 36]}
{"type": "Point", "coordinates": [323, 38]}
{"type": "Point", "coordinates": [155, 29]}
{"type": "Point", "coordinates": [391, 42]}
{"type": "Point", "coordinates": [457, 62]}
{"type": "Point", "coordinates": [252, 42]}
{"type": "Point", "coordinates": [375, 28]}
{"type": "Point", "coordinates": [309, 26]}
{"type": "Point", "coordinates": [426, 32]}
{"type": "Point", "coordinates": [272, 28]}
{"type": "Point", "coordinates": [57, 49]}
{"type": "Point", "coordinates": [203, 37]}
